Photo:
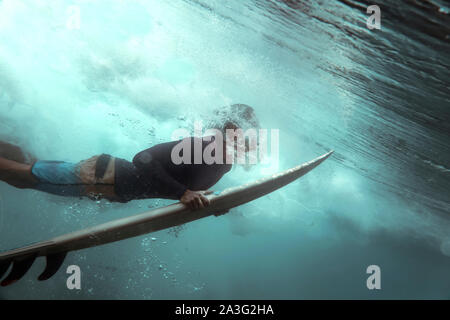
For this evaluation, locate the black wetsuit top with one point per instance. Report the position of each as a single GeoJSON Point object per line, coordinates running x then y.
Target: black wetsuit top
{"type": "Point", "coordinates": [152, 174]}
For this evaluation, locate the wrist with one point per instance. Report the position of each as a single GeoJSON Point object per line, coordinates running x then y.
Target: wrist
{"type": "Point", "coordinates": [183, 192]}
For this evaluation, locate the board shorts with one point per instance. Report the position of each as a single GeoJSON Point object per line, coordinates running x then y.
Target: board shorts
{"type": "Point", "coordinates": [93, 177]}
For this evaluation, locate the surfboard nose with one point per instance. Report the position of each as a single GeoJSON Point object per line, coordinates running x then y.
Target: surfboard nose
{"type": "Point", "coordinates": [327, 155]}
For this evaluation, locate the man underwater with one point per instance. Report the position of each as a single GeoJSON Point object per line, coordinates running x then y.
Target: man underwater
{"type": "Point", "coordinates": [151, 174]}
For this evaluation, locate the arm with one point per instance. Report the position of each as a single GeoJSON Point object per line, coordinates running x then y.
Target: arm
{"type": "Point", "coordinates": [167, 185]}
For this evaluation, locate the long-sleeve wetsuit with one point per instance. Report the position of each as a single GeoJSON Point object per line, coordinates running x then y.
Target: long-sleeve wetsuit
{"type": "Point", "coordinates": [153, 174]}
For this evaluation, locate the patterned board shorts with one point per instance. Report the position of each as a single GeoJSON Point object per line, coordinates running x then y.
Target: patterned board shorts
{"type": "Point", "coordinates": [93, 177]}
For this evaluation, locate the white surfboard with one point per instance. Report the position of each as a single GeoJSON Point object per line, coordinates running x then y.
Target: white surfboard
{"type": "Point", "coordinates": [172, 215]}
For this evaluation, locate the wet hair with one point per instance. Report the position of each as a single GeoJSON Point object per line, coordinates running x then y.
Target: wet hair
{"type": "Point", "coordinates": [234, 116]}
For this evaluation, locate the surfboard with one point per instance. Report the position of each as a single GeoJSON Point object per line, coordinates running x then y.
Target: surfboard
{"type": "Point", "coordinates": [56, 249]}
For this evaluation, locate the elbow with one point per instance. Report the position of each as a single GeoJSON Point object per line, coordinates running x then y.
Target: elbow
{"type": "Point", "coordinates": [142, 159]}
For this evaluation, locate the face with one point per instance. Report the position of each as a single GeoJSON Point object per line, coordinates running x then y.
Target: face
{"type": "Point", "coordinates": [245, 113]}
{"type": "Point", "coordinates": [247, 145]}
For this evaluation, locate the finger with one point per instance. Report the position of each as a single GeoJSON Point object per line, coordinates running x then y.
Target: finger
{"type": "Point", "coordinates": [190, 204]}
{"type": "Point", "coordinates": [207, 192]}
{"type": "Point", "coordinates": [205, 201]}
{"type": "Point", "coordinates": [199, 202]}
{"type": "Point", "coordinates": [194, 203]}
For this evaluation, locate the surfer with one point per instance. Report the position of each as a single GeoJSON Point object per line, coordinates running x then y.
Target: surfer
{"type": "Point", "coordinates": [151, 173]}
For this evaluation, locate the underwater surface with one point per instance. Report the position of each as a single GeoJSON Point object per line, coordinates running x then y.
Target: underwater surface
{"type": "Point", "coordinates": [80, 78]}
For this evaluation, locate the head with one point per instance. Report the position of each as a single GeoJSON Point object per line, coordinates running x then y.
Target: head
{"type": "Point", "coordinates": [234, 117]}
{"type": "Point", "coordinates": [237, 116]}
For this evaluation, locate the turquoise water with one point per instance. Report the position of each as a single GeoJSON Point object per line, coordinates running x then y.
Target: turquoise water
{"type": "Point", "coordinates": [79, 78]}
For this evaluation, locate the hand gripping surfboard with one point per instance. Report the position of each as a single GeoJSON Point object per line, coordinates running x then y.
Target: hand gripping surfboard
{"type": "Point", "coordinates": [55, 250]}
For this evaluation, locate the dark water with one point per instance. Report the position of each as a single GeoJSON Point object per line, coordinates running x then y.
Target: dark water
{"type": "Point", "coordinates": [131, 72]}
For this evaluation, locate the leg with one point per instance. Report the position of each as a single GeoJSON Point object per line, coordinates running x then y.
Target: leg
{"type": "Point", "coordinates": [91, 177]}
{"type": "Point", "coordinates": [97, 173]}
{"type": "Point", "coordinates": [17, 174]}
{"type": "Point", "coordinates": [15, 153]}
{"type": "Point", "coordinates": [15, 166]}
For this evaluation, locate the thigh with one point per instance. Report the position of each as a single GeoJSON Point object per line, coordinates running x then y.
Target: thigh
{"type": "Point", "coordinates": [88, 169]}
{"type": "Point", "coordinates": [98, 181]}
{"type": "Point", "coordinates": [76, 179]}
